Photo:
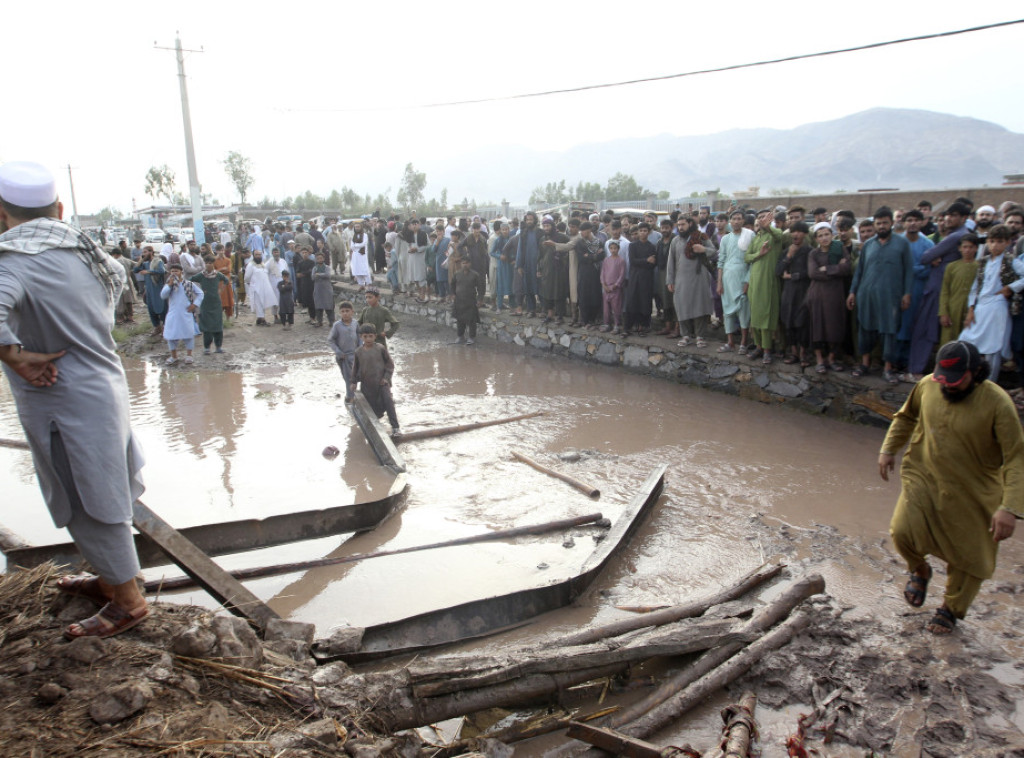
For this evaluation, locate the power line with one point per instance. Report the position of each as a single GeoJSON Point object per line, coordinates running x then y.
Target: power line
{"type": "Point", "coordinates": [700, 72]}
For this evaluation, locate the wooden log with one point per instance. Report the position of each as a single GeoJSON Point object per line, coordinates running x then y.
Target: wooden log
{"type": "Point", "coordinates": [14, 444]}
{"type": "Point", "coordinates": [872, 402]}
{"type": "Point", "coordinates": [782, 606]}
{"type": "Point", "coordinates": [586, 489]}
{"type": "Point", "coordinates": [456, 673]}
{"type": "Point", "coordinates": [421, 712]}
{"type": "Point", "coordinates": [739, 726]}
{"type": "Point", "coordinates": [690, 609]}
{"type": "Point", "coordinates": [617, 744]}
{"type": "Point", "coordinates": [180, 582]}
{"type": "Point", "coordinates": [442, 431]}
{"type": "Point", "coordinates": [669, 711]}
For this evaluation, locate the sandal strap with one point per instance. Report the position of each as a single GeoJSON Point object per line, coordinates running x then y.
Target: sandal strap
{"type": "Point", "coordinates": [944, 618]}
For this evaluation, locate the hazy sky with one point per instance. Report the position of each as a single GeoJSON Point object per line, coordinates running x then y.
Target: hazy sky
{"type": "Point", "coordinates": [293, 86]}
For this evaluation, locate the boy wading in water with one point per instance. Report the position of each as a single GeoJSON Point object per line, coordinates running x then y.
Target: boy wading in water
{"type": "Point", "coordinates": [344, 341]}
{"type": "Point", "coordinates": [372, 370]}
{"type": "Point", "coordinates": [469, 292]}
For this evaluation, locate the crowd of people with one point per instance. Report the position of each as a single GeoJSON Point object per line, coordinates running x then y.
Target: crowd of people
{"type": "Point", "coordinates": [820, 288]}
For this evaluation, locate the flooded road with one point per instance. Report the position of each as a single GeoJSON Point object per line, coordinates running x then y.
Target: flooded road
{"type": "Point", "coordinates": [745, 481]}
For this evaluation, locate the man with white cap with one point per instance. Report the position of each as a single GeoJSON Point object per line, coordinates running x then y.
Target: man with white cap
{"type": "Point", "coordinates": [57, 296]}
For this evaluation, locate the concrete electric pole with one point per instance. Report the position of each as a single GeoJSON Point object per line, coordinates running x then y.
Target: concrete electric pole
{"type": "Point", "coordinates": [195, 190]}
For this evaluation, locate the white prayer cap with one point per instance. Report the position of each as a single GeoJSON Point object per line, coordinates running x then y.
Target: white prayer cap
{"type": "Point", "coordinates": [27, 185]}
{"type": "Point", "coordinates": [987, 209]}
{"type": "Point", "coordinates": [821, 225]}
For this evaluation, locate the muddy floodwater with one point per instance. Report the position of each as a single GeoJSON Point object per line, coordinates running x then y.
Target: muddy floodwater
{"type": "Point", "coordinates": [745, 481]}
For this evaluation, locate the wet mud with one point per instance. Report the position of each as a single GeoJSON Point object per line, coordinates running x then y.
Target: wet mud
{"type": "Point", "coordinates": [241, 436]}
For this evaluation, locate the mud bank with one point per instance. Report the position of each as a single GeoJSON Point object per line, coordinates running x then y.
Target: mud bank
{"type": "Point", "coordinates": [835, 394]}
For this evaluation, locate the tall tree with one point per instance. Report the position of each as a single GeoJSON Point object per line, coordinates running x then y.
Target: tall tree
{"type": "Point", "coordinates": [160, 182]}
{"type": "Point", "coordinates": [410, 193]}
{"type": "Point", "coordinates": [624, 187]}
{"type": "Point", "coordinates": [239, 170]}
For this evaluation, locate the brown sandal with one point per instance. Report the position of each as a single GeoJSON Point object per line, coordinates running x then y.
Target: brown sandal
{"type": "Point", "coordinates": [110, 620]}
{"type": "Point", "coordinates": [83, 585]}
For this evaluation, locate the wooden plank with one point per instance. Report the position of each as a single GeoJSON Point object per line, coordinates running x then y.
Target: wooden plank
{"type": "Point", "coordinates": [227, 590]}
{"type": "Point", "coordinates": [380, 441]}
{"type": "Point", "coordinates": [615, 743]}
{"type": "Point", "coordinates": [238, 536]}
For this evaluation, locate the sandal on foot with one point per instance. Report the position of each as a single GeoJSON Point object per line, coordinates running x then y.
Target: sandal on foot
{"type": "Point", "coordinates": [821, 368]}
{"type": "Point", "coordinates": [837, 367]}
{"type": "Point", "coordinates": [684, 342]}
{"type": "Point", "coordinates": [789, 360]}
{"type": "Point", "coordinates": [943, 622]}
{"type": "Point", "coordinates": [83, 585]}
{"type": "Point", "coordinates": [700, 342]}
{"type": "Point", "coordinates": [889, 377]}
{"type": "Point", "coordinates": [110, 620]}
{"type": "Point", "coordinates": [741, 350]}
{"type": "Point", "coordinates": [860, 370]}
{"type": "Point", "coordinates": [916, 590]}
{"type": "Point", "coordinates": [726, 348]}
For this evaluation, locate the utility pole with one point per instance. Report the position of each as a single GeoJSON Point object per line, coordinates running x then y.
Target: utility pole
{"type": "Point", "coordinates": [195, 190]}
{"type": "Point", "coordinates": [74, 204]}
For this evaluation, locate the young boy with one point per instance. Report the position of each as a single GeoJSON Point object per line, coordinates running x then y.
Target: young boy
{"type": "Point", "coordinates": [468, 288]}
{"type": "Point", "coordinates": [379, 317]}
{"type": "Point", "coordinates": [183, 301]}
{"type": "Point", "coordinates": [286, 304]}
{"type": "Point", "coordinates": [392, 269]}
{"type": "Point", "coordinates": [323, 293]}
{"type": "Point", "coordinates": [211, 314]}
{"type": "Point", "coordinates": [344, 341]}
{"type": "Point", "coordinates": [372, 369]}
{"type": "Point", "coordinates": [613, 279]}
{"type": "Point", "coordinates": [956, 286]}
{"type": "Point", "coordinates": [988, 322]}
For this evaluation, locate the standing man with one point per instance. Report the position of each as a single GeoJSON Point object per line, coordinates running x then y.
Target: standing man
{"type": "Point", "coordinates": [338, 246]}
{"type": "Point", "coordinates": [764, 288]}
{"type": "Point", "coordinates": [963, 479]}
{"type": "Point", "coordinates": [57, 295]}
{"type": "Point", "coordinates": [925, 332]}
{"type": "Point", "coordinates": [881, 291]}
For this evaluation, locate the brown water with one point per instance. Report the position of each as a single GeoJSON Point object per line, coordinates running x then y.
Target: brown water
{"type": "Point", "coordinates": [743, 480]}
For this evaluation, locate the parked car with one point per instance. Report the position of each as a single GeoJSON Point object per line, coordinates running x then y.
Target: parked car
{"type": "Point", "coordinates": [154, 236]}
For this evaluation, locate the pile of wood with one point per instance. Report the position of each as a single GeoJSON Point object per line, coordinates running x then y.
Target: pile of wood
{"type": "Point", "coordinates": [731, 633]}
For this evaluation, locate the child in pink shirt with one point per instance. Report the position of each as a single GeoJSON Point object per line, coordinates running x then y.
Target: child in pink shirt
{"type": "Point", "coordinates": [613, 282]}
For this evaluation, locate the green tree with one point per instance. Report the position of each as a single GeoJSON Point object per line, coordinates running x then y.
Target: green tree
{"type": "Point", "coordinates": [623, 187]}
{"type": "Point", "coordinates": [444, 198]}
{"type": "Point", "coordinates": [160, 182]}
{"type": "Point", "coordinates": [410, 193]}
{"type": "Point", "coordinates": [551, 193]}
{"type": "Point", "coordinates": [108, 215]}
{"type": "Point", "coordinates": [589, 191]}
{"type": "Point", "coordinates": [239, 170]}
{"type": "Point", "coordinates": [663, 195]}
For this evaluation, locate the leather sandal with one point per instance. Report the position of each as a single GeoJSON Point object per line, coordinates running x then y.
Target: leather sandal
{"type": "Point", "coordinates": [83, 585]}
{"type": "Point", "coordinates": [110, 620]}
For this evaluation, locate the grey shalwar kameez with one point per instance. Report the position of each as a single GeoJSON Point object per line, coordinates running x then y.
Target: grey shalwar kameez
{"type": "Point", "coordinates": [78, 429]}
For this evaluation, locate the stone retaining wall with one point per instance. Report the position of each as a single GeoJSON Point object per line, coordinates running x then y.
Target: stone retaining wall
{"type": "Point", "coordinates": [837, 395]}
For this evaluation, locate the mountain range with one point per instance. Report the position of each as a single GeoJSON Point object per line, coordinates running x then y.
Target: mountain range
{"type": "Point", "coordinates": [881, 147]}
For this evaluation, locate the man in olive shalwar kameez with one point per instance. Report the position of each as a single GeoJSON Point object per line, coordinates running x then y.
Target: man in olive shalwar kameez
{"type": "Point", "coordinates": [765, 288]}
{"type": "Point", "coordinates": [963, 478]}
